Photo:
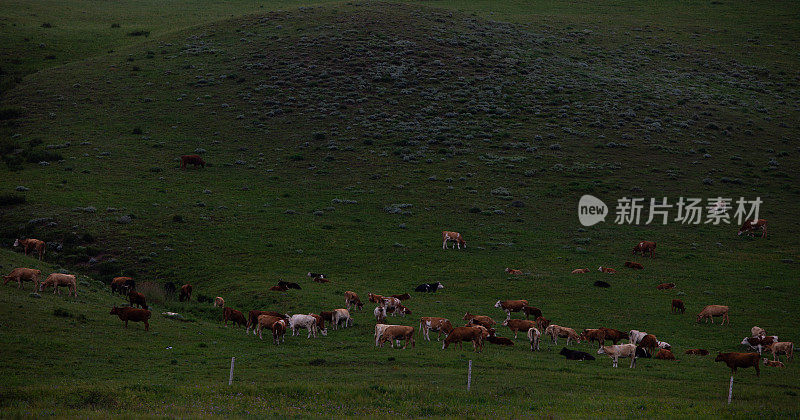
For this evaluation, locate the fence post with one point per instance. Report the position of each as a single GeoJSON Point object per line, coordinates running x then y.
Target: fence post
{"type": "Point", "coordinates": [469, 375]}
{"type": "Point", "coordinates": [230, 378]}
{"type": "Point", "coordinates": [730, 390]}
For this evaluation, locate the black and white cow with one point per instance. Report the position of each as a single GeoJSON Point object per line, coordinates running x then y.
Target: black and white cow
{"type": "Point", "coordinates": [429, 287]}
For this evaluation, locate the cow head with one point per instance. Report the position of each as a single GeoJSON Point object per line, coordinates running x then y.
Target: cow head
{"type": "Point", "coordinates": [468, 316]}
{"type": "Point", "coordinates": [16, 242]}
{"type": "Point", "coordinates": [505, 323]}
{"type": "Point", "coordinates": [719, 357]}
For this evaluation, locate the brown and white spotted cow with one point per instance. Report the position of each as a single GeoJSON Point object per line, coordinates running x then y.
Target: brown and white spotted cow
{"type": "Point", "coordinates": [452, 236]}
{"type": "Point", "coordinates": [750, 226]}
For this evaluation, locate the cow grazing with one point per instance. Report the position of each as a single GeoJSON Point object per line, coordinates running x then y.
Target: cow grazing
{"type": "Point", "coordinates": [635, 336]}
{"type": "Point", "coordinates": [556, 331]}
{"type": "Point", "coordinates": [186, 293]}
{"type": "Point", "coordinates": [308, 322]}
{"type": "Point", "coordinates": [739, 360]}
{"type": "Point", "coordinates": [136, 298]}
{"type": "Point", "coordinates": [645, 248]}
{"type": "Point", "coordinates": [452, 236]}
{"type": "Point", "coordinates": [591, 335]}
{"type": "Point", "coordinates": [751, 226]}
{"type": "Point", "coordinates": [351, 300]}
{"type": "Point", "coordinates": [380, 314]}
{"type": "Point", "coordinates": [575, 355]}
{"type": "Point", "coordinates": [132, 314]}
{"type": "Point", "coordinates": [782, 347]}
{"type": "Point", "coordinates": [677, 306]}
{"type": "Point", "coordinates": [397, 332]}
{"type": "Point", "coordinates": [252, 318]}
{"type": "Point", "coordinates": [391, 304]}
{"type": "Point", "coordinates": [341, 317]}
{"type": "Point", "coordinates": [601, 283]}
{"type": "Point", "coordinates": [650, 343]}
{"type": "Point", "coordinates": [219, 302]}
{"type": "Point", "coordinates": [542, 323]}
{"type": "Point", "coordinates": [439, 325]}
{"type": "Point", "coordinates": [379, 328]}
{"type": "Point", "coordinates": [460, 334]}
{"type": "Point", "coordinates": [698, 352]}
{"type": "Point", "coordinates": [279, 331]}
{"type": "Point", "coordinates": [757, 331]}
{"type": "Point", "coordinates": [665, 286]}
{"type": "Point", "coordinates": [57, 280]}
{"type": "Point", "coordinates": [710, 311]}
{"type": "Point", "coordinates": [580, 271]}
{"type": "Point", "coordinates": [321, 323]}
{"type": "Point", "coordinates": [774, 363]}
{"type": "Point", "coordinates": [236, 317]}
{"type": "Point", "coordinates": [760, 342]}
{"type": "Point", "coordinates": [21, 274]}
{"type": "Point", "coordinates": [194, 160]}
{"type": "Point", "coordinates": [534, 336]}
{"type": "Point", "coordinates": [511, 306]}
{"type": "Point", "coordinates": [429, 287]}
{"type": "Point", "coordinates": [619, 350]}
{"type": "Point", "coordinates": [613, 335]}
{"type": "Point", "coordinates": [32, 245]}
{"type": "Point", "coordinates": [633, 265]}
{"type": "Point", "coordinates": [289, 285]}
{"type": "Point", "coordinates": [501, 341]}
{"type": "Point", "coordinates": [664, 354]}
{"type": "Point", "coordinates": [607, 270]}
{"type": "Point", "coordinates": [530, 310]}
{"type": "Point", "coordinates": [122, 285]}
{"type": "Point", "coordinates": [514, 272]}
{"type": "Point", "coordinates": [485, 321]}
{"type": "Point", "coordinates": [517, 325]}
{"type": "Point", "coordinates": [266, 322]}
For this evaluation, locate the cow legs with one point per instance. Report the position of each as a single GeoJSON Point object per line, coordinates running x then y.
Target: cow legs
{"type": "Point", "coordinates": [146, 325]}
{"type": "Point", "coordinates": [633, 361]}
{"type": "Point", "coordinates": [444, 244]}
{"type": "Point", "coordinates": [614, 364]}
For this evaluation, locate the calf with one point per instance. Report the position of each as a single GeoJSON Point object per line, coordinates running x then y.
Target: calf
{"type": "Point", "coordinates": [429, 287]}
{"type": "Point", "coordinates": [517, 325]}
{"type": "Point", "coordinates": [514, 272]}
{"type": "Point", "coordinates": [132, 314]}
{"type": "Point", "coordinates": [236, 317]}
{"type": "Point", "coordinates": [530, 310]}
{"type": "Point", "coordinates": [607, 270]}
{"type": "Point", "coordinates": [136, 298]}
{"type": "Point", "coordinates": [57, 280]}
{"type": "Point", "coordinates": [665, 286]}
{"type": "Point", "coordinates": [266, 322]}
{"type": "Point", "coordinates": [760, 342]}
{"type": "Point", "coordinates": [645, 247]}
{"type": "Point", "coordinates": [511, 306]}
{"type": "Point", "coordinates": [439, 325]}
{"type": "Point", "coordinates": [739, 360]}
{"type": "Point", "coordinates": [664, 354]}
{"type": "Point", "coordinates": [308, 322]}
{"type": "Point", "coordinates": [186, 293]}
{"type": "Point", "coordinates": [580, 271]}
{"type": "Point", "coordinates": [774, 363]}
{"type": "Point", "coordinates": [677, 306]}
{"type": "Point", "coordinates": [556, 331]}
{"type": "Point", "coordinates": [219, 302]}
{"type": "Point", "coordinates": [619, 350]}
{"type": "Point", "coordinates": [575, 355]}
{"type": "Point", "coordinates": [460, 334]}
{"type": "Point", "coordinates": [397, 332]}
{"type": "Point", "coordinates": [534, 336]}
{"type": "Point", "coordinates": [453, 236]}
{"type": "Point", "coordinates": [279, 331]}
{"type": "Point", "coordinates": [341, 316]}
{"type": "Point", "coordinates": [351, 300]}
{"type": "Point", "coordinates": [698, 352]}
{"type": "Point", "coordinates": [32, 244]}
{"type": "Point", "coordinates": [710, 311]}
{"type": "Point", "coordinates": [750, 226]}
{"type": "Point", "coordinates": [380, 314]}
{"type": "Point", "coordinates": [194, 160]}
{"type": "Point", "coordinates": [21, 274]}
{"type": "Point", "coordinates": [633, 265]}
{"type": "Point", "coordinates": [782, 347]}
{"type": "Point", "coordinates": [485, 321]}
{"type": "Point", "coordinates": [502, 341]}
{"type": "Point", "coordinates": [122, 285]}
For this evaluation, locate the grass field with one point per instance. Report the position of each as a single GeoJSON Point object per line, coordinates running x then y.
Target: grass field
{"type": "Point", "coordinates": [343, 138]}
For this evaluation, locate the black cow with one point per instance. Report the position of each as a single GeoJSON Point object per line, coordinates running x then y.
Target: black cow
{"type": "Point", "coordinates": [601, 283]}
{"type": "Point", "coordinates": [575, 355]}
{"type": "Point", "coordinates": [429, 287]}
{"type": "Point", "coordinates": [288, 285]}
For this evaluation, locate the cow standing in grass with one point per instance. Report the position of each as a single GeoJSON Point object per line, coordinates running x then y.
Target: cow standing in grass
{"type": "Point", "coordinates": [21, 274]}
{"type": "Point", "coordinates": [32, 245]}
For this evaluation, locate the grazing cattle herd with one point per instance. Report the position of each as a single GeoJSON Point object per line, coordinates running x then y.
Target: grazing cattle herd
{"type": "Point", "coordinates": [477, 330]}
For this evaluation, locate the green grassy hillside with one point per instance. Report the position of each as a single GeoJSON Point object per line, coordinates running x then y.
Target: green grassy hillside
{"type": "Point", "coordinates": [343, 139]}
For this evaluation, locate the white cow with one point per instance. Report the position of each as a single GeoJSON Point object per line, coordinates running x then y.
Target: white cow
{"type": "Point", "coordinates": [635, 336]}
{"type": "Point", "coordinates": [533, 336]}
{"type": "Point", "coordinates": [620, 350]}
{"type": "Point", "coordinates": [341, 316]}
{"type": "Point", "coordinates": [380, 314]}
{"type": "Point", "coordinates": [297, 322]}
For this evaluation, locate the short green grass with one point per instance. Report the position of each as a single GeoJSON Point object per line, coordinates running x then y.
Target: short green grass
{"type": "Point", "coordinates": [327, 141]}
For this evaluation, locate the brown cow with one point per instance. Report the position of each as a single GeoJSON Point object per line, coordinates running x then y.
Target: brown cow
{"type": "Point", "coordinates": [57, 280]}
{"type": "Point", "coordinates": [321, 322]}
{"type": "Point", "coordinates": [542, 323]}
{"type": "Point", "coordinates": [278, 288]}
{"type": "Point", "coordinates": [710, 311]}
{"type": "Point", "coordinates": [502, 341]}
{"type": "Point", "coordinates": [219, 302]}
{"type": "Point", "coordinates": [751, 226]}
{"type": "Point", "coordinates": [517, 325]}
{"type": "Point", "coordinates": [514, 272]}
{"type": "Point", "coordinates": [633, 265]}
{"type": "Point", "coordinates": [195, 160]}
{"type": "Point", "coordinates": [397, 332]}
{"type": "Point", "coordinates": [613, 335]}
{"type": "Point", "coordinates": [252, 318]}
{"type": "Point", "coordinates": [404, 296]}
{"type": "Point", "coordinates": [591, 335]}
{"type": "Point", "coordinates": [236, 317]}
{"type": "Point", "coordinates": [440, 325]}
{"type": "Point", "coordinates": [556, 331]}
{"type": "Point", "coordinates": [460, 334]}
{"type": "Point", "coordinates": [279, 331]}
{"type": "Point", "coordinates": [649, 342]}
{"type": "Point", "coordinates": [740, 360]}
{"type": "Point", "coordinates": [511, 306]}
{"type": "Point", "coordinates": [774, 363]}
{"type": "Point", "coordinates": [266, 321]}
{"type": "Point", "coordinates": [351, 299]}
{"type": "Point", "coordinates": [21, 274]}
{"type": "Point", "coordinates": [375, 298]}
{"type": "Point", "coordinates": [645, 247]}
{"type": "Point", "coordinates": [132, 314]}
{"type": "Point", "coordinates": [665, 286]}
{"type": "Point", "coordinates": [452, 236]}
{"type": "Point", "coordinates": [698, 352]}
{"type": "Point", "coordinates": [32, 244]}
{"type": "Point", "coordinates": [485, 321]}
{"type": "Point", "coordinates": [607, 270]}
{"type": "Point", "coordinates": [186, 292]}
{"type": "Point", "coordinates": [530, 310]}
{"type": "Point", "coordinates": [580, 271]}
{"type": "Point", "coordinates": [677, 306]}
{"type": "Point", "coordinates": [136, 298]}
{"type": "Point", "coordinates": [122, 285]}
{"type": "Point", "coordinates": [665, 354]}
{"type": "Point", "coordinates": [782, 347]}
